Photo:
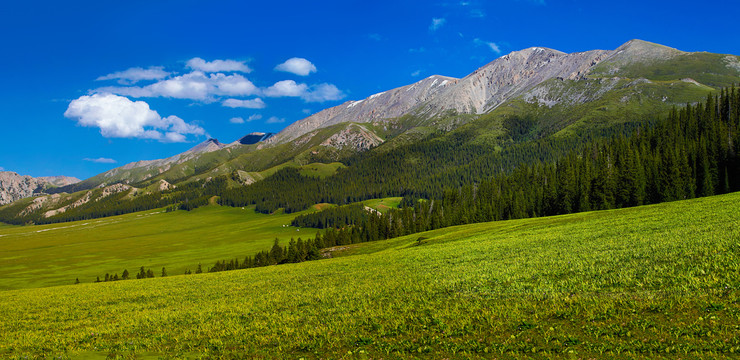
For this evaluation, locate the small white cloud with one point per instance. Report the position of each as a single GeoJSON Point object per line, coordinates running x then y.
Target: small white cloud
{"type": "Point", "coordinates": [323, 92]}
{"type": "Point", "coordinates": [491, 45]}
{"type": "Point", "coordinates": [248, 104]}
{"type": "Point", "coordinates": [417, 50]}
{"type": "Point", "coordinates": [2, 168]}
{"type": "Point", "coordinates": [306, 111]}
{"type": "Point", "coordinates": [136, 74]}
{"type": "Point", "coordinates": [437, 23]}
{"type": "Point", "coordinates": [477, 13]}
{"type": "Point", "coordinates": [275, 120]}
{"type": "Point", "coordinates": [194, 86]}
{"type": "Point", "coordinates": [101, 160]}
{"type": "Point", "coordinates": [416, 73]}
{"type": "Point", "coordinates": [375, 37]}
{"type": "Point", "coordinates": [218, 65]}
{"type": "Point", "coordinates": [119, 117]}
{"type": "Point", "coordinates": [240, 120]}
{"type": "Point", "coordinates": [286, 88]}
{"type": "Point", "coordinates": [298, 66]}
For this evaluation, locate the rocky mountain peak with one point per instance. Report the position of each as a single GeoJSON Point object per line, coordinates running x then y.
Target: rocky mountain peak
{"type": "Point", "coordinates": [207, 146]}
{"type": "Point", "coordinates": [636, 50]}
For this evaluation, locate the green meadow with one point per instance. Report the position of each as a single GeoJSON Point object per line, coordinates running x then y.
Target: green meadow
{"type": "Point", "coordinates": [657, 281]}
{"type": "Point", "coordinates": [48, 255]}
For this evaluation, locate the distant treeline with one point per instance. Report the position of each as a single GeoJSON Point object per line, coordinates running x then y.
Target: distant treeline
{"type": "Point", "coordinates": [354, 214]}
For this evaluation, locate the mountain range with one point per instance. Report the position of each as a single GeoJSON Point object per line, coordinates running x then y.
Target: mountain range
{"type": "Point", "coordinates": [564, 95]}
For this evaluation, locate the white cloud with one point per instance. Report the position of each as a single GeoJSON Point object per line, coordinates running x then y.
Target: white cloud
{"type": "Point", "coordinates": [119, 117]}
{"type": "Point", "coordinates": [218, 65]}
{"type": "Point", "coordinates": [241, 120]}
{"type": "Point", "coordinates": [416, 73]}
{"type": "Point", "coordinates": [315, 93]}
{"type": "Point", "coordinates": [2, 168]}
{"type": "Point", "coordinates": [375, 36]}
{"type": "Point", "coordinates": [437, 23]}
{"type": "Point", "coordinates": [477, 13]}
{"type": "Point", "coordinates": [101, 160]}
{"type": "Point", "coordinates": [323, 92]}
{"type": "Point", "coordinates": [136, 74]}
{"type": "Point", "coordinates": [249, 104]}
{"type": "Point", "coordinates": [491, 45]}
{"type": "Point", "coordinates": [194, 86]}
{"type": "Point", "coordinates": [298, 66]}
{"type": "Point", "coordinates": [287, 88]}
{"type": "Point", "coordinates": [275, 120]}
{"type": "Point", "coordinates": [306, 111]}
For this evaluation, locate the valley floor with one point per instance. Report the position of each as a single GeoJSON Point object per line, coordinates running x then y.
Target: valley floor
{"type": "Point", "coordinates": [656, 281]}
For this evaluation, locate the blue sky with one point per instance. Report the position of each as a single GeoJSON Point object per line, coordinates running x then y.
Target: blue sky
{"type": "Point", "coordinates": [91, 85]}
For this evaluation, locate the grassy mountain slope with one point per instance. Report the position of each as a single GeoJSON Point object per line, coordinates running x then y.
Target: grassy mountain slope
{"type": "Point", "coordinates": [657, 282]}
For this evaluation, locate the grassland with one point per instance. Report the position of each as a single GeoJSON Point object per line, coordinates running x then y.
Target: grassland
{"type": "Point", "coordinates": [650, 282]}
{"type": "Point", "coordinates": [47, 255]}
{"type": "Point", "coordinates": [384, 204]}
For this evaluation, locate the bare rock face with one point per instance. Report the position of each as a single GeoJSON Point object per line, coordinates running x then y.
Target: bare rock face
{"type": "Point", "coordinates": [15, 187]}
{"type": "Point", "coordinates": [164, 185]}
{"type": "Point", "coordinates": [355, 136]}
{"type": "Point", "coordinates": [388, 104]}
{"type": "Point", "coordinates": [510, 76]}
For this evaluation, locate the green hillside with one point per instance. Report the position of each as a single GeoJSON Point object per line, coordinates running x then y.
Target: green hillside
{"type": "Point", "coordinates": [657, 281]}
{"type": "Point", "coordinates": [48, 255]}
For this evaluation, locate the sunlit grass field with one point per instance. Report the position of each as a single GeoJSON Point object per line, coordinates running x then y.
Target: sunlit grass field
{"type": "Point", "coordinates": [650, 282]}
{"type": "Point", "coordinates": [47, 255]}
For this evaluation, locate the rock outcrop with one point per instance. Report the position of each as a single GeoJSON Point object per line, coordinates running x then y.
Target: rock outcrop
{"type": "Point", "coordinates": [15, 187]}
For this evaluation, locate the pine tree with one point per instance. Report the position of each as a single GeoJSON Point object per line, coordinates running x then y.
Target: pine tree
{"type": "Point", "coordinates": [125, 275]}
{"type": "Point", "coordinates": [164, 272]}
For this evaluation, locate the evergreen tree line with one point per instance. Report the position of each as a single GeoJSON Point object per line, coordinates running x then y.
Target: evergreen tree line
{"type": "Point", "coordinates": [354, 214]}
{"type": "Point", "coordinates": [296, 251]}
{"type": "Point", "coordinates": [125, 275]}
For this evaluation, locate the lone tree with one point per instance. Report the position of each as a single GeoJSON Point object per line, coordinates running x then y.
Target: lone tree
{"type": "Point", "coordinates": [77, 280]}
{"type": "Point", "coordinates": [164, 272]}
{"type": "Point", "coordinates": [125, 275]}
